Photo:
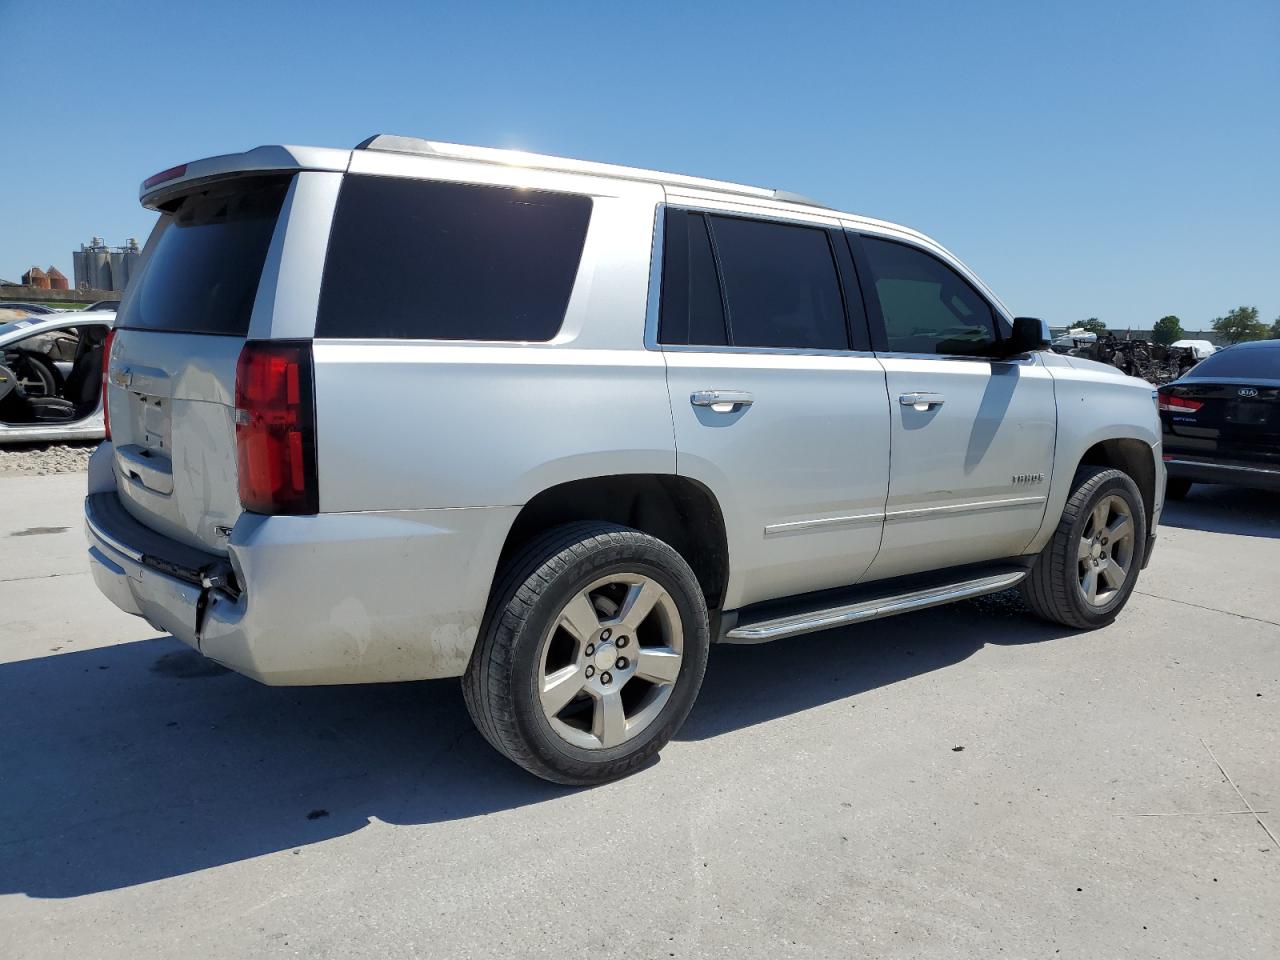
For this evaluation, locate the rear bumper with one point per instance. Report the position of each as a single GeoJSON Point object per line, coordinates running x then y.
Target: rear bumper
{"type": "Point", "coordinates": [1240, 474]}
{"type": "Point", "coordinates": [332, 598]}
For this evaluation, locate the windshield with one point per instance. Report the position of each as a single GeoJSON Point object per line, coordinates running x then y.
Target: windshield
{"type": "Point", "coordinates": [202, 274]}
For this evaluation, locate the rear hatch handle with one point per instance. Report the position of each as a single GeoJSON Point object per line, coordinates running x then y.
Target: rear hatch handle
{"type": "Point", "coordinates": [146, 468]}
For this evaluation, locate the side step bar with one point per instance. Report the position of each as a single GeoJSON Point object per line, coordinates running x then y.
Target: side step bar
{"type": "Point", "coordinates": [762, 631]}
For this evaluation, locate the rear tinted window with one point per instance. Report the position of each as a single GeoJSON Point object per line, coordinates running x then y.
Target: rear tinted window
{"type": "Point", "coordinates": [204, 268]}
{"type": "Point", "coordinates": [781, 285]}
{"type": "Point", "coordinates": [416, 259]}
{"type": "Point", "coordinates": [692, 311]}
{"type": "Point", "coordinates": [1250, 363]}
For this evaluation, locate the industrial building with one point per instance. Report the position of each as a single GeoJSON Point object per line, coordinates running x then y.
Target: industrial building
{"type": "Point", "coordinates": [99, 267]}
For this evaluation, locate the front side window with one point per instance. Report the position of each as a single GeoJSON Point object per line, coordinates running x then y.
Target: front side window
{"type": "Point", "coordinates": [428, 260]}
{"type": "Point", "coordinates": [927, 307]}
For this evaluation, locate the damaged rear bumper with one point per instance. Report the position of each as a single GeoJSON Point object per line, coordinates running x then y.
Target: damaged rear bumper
{"type": "Point", "coordinates": [331, 598]}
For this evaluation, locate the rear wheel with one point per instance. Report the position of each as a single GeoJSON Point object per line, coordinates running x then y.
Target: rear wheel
{"type": "Point", "coordinates": [591, 655]}
{"type": "Point", "coordinates": [1176, 488]}
{"type": "Point", "coordinates": [1086, 572]}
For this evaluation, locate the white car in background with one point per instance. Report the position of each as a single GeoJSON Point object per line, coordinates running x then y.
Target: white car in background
{"type": "Point", "coordinates": [1201, 348]}
{"type": "Point", "coordinates": [51, 376]}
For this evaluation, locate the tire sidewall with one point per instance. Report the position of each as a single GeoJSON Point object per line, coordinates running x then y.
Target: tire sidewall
{"type": "Point", "coordinates": [650, 558]}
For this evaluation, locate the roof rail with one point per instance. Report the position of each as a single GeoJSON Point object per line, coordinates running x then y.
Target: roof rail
{"type": "Point", "coordinates": [390, 143]}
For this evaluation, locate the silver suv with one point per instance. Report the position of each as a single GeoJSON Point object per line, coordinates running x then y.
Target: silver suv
{"type": "Point", "coordinates": [422, 410]}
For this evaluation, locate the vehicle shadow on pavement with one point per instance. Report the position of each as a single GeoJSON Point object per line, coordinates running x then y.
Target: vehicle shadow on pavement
{"type": "Point", "coordinates": [142, 761]}
{"type": "Point", "coordinates": [750, 684]}
{"type": "Point", "coordinates": [1217, 509]}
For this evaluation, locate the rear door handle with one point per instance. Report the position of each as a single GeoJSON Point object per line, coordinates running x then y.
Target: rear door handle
{"type": "Point", "coordinates": [721, 401]}
{"type": "Point", "coordinates": [921, 401]}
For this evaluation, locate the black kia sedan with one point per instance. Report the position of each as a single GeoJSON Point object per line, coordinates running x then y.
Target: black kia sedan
{"type": "Point", "coordinates": [1221, 420]}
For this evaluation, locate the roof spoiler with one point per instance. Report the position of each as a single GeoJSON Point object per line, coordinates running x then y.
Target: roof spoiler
{"type": "Point", "coordinates": [157, 189]}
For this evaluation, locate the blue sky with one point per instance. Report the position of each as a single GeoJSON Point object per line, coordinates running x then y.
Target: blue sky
{"type": "Point", "coordinates": [1119, 160]}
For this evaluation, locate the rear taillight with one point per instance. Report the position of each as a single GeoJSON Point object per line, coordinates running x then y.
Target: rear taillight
{"type": "Point", "coordinates": [106, 369]}
{"type": "Point", "coordinates": [1179, 404]}
{"type": "Point", "coordinates": [275, 428]}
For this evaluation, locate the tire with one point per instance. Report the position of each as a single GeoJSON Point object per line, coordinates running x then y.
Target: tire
{"type": "Point", "coordinates": [1056, 588]}
{"type": "Point", "coordinates": [534, 643]}
{"type": "Point", "coordinates": [1176, 488]}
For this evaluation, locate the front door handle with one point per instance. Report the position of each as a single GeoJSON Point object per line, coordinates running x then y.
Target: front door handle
{"type": "Point", "coordinates": [921, 401]}
{"type": "Point", "coordinates": [721, 401]}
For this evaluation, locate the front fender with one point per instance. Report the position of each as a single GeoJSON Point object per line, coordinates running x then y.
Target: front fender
{"type": "Point", "coordinates": [1096, 405]}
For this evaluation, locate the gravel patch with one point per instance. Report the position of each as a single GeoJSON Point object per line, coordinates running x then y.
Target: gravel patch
{"type": "Point", "coordinates": [42, 459]}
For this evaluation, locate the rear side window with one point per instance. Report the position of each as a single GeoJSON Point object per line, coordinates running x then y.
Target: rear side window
{"type": "Point", "coordinates": [749, 283]}
{"type": "Point", "coordinates": [204, 267]}
{"type": "Point", "coordinates": [1247, 363]}
{"type": "Point", "coordinates": [927, 306]}
{"type": "Point", "coordinates": [425, 260]}
{"type": "Point", "coordinates": [692, 309]}
{"type": "Point", "coordinates": [781, 285]}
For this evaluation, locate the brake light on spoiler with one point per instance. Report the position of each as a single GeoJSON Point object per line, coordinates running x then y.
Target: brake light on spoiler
{"type": "Point", "coordinates": [275, 428]}
{"type": "Point", "coordinates": [173, 173]}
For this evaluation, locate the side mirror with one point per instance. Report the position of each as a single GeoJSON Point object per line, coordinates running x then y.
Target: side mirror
{"type": "Point", "coordinates": [1029, 333]}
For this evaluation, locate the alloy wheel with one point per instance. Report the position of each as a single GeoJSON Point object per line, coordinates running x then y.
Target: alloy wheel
{"type": "Point", "coordinates": [1105, 552]}
{"type": "Point", "coordinates": [610, 661]}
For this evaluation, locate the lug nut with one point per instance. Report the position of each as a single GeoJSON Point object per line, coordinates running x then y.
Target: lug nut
{"type": "Point", "coordinates": [606, 677]}
{"type": "Point", "coordinates": [591, 672]}
{"type": "Point", "coordinates": [606, 633]}
{"type": "Point", "coordinates": [622, 663]}
{"type": "Point", "coordinates": [622, 642]}
{"type": "Point", "coordinates": [591, 648]}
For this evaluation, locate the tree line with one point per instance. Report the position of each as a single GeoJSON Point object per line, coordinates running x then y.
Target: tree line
{"type": "Point", "coordinates": [1237, 326]}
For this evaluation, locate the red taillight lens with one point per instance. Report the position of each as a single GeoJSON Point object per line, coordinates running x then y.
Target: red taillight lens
{"type": "Point", "coordinates": [1179, 404]}
{"type": "Point", "coordinates": [275, 428]}
{"type": "Point", "coordinates": [106, 369]}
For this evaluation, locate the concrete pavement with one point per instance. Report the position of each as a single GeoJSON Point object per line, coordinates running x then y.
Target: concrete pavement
{"type": "Point", "coordinates": [964, 782]}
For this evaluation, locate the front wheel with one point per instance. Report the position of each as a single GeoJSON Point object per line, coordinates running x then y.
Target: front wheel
{"type": "Point", "coordinates": [1085, 574]}
{"type": "Point", "coordinates": [591, 655]}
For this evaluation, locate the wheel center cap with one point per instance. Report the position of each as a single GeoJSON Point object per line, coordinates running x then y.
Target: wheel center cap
{"type": "Point", "coordinates": [605, 657]}
{"type": "Point", "coordinates": [1096, 550]}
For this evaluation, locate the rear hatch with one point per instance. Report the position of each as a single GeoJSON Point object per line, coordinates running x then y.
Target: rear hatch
{"type": "Point", "coordinates": [172, 373]}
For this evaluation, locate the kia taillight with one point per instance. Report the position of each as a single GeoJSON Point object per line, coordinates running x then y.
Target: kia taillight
{"type": "Point", "coordinates": [106, 369]}
{"type": "Point", "coordinates": [275, 428]}
{"type": "Point", "coordinates": [1174, 404]}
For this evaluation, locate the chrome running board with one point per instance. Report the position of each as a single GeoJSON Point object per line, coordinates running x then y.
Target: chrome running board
{"type": "Point", "coordinates": [761, 631]}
